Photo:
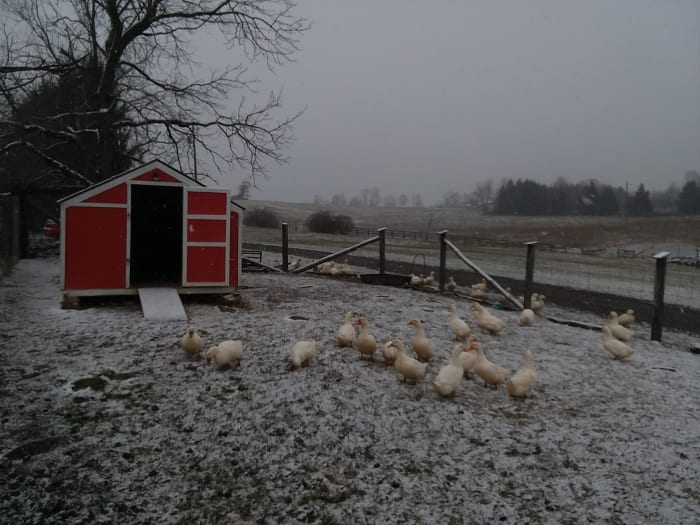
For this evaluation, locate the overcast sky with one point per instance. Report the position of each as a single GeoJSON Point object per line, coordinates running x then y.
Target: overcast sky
{"type": "Point", "coordinates": [427, 97]}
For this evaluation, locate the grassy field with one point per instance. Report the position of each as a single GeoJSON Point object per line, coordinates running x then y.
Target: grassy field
{"type": "Point", "coordinates": [606, 273]}
{"type": "Point", "coordinates": [679, 234]}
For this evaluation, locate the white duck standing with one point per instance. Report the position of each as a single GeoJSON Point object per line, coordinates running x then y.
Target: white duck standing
{"type": "Point", "coordinates": [421, 345]}
{"type": "Point", "coordinates": [411, 369]}
{"type": "Point", "coordinates": [526, 317]}
{"type": "Point", "coordinates": [468, 355]}
{"type": "Point", "coordinates": [617, 330]}
{"type": "Point", "coordinates": [451, 284]}
{"type": "Point", "coordinates": [346, 332]}
{"type": "Point", "coordinates": [302, 352]}
{"type": "Point", "coordinates": [486, 320]}
{"type": "Point", "coordinates": [459, 328]}
{"type": "Point", "coordinates": [617, 348]}
{"type": "Point", "coordinates": [365, 342]}
{"type": "Point", "coordinates": [520, 383]}
{"type": "Point", "coordinates": [627, 318]}
{"type": "Point", "coordinates": [492, 374]}
{"type": "Point", "coordinates": [390, 353]}
{"type": "Point", "coordinates": [226, 354]}
{"type": "Point", "coordinates": [450, 375]}
{"type": "Point", "coordinates": [537, 302]}
{"type": "Point", "coordinates": [192, 343]}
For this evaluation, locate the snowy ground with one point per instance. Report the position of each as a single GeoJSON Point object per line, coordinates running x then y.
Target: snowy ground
{"type": "Point", "coordinates": [104, 420]}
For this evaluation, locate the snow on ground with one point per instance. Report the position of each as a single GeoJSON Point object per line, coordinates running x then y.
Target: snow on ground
{"type": "Point", "coordinates": [105, 420]}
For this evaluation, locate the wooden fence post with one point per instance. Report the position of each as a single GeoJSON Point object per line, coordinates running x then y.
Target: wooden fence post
{"type": "Point", "coordinates": [659, 286]}
{"type": "Point", "coordinates": [285, 247]}
{"type": "Point", "coordinates": [382, 250]}
{"type": "Point", "coordinates": [443, 259]}
{"type": "Point", "coordinates": [529, 272]}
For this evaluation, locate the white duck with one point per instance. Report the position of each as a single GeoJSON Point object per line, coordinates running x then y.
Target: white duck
{"type": "Point", "coordinates": [429, 280]}
{"type": "Point", "coordinates": [520, 383]}
{"type": "Point", "coordinates": [416, 280]}
{"type": "Point", "coordinates": [346, 332]}
{"type": "Point", "coordinates": [411, 369]}
{"type": "Point", "coordinates": [617, 348]}
{"type": "Point", "coordinates": [451, 284]}
{"type": "Point", "coordinates": [226, 354]}
{"type": "Point", "coordinates": [486, 320]}
{"type": "Point", "coordinates": [526, 317]}
{"type": "Point", "coordinates": [365, 342]}
{"type": "Point", "coordinates": [480, 286]}
{"type": "Point", "coordinates": [468, 356]}
{"type": "Point", "coordinates": [345, 268]}
{"type": "Point", "coordinates": [302, 352]}
{"type": "Point", "coordinates": [617, 330]}
{"type": "Point", "coordinates": [627, 318]}
{"type": "Point", "coordinates": [459, 328]}
{"type": "Point", "coordinates": [450, 375]}
{"type": "Point", "coordinates": [295, 264]}
{"type": "Point", "coordinates": [492, 374]}
{"type": "Point", "coordinates": [537, 302]}
{"type": "Point", "coordinates": [421, 345]}
{"type": "Point", "coordinates": [192, 343]}
{"type": "Point", "coordinates": [390, 353]}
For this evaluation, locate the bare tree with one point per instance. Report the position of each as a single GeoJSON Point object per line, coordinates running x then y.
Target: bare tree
{"type": "Point", "coordinates": [364, 196]}
{"type": "Point", "coordinates": [138, 55]}
{"type": "Point", "coordinates": [484, 194]}
{"type": "Point", "coordinates": [390, 201]}
{"type": "Point", "coordinates": [374, 197]}
{"type": "Point", "coordinates": [244, 189]}
{"type": "Point", "coordinates": [403, 200]}
{"type": "Point", "coordinates": [417, 200]}
{"type": "Point", "coordinates": [338, 199]}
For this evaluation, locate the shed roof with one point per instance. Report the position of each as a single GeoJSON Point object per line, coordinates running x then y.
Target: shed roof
{"type": "Point", "coordinates": [143, 168]}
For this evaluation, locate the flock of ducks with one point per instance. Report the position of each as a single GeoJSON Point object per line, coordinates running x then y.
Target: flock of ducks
{"type": "Point", "coordinates": [467, 355]}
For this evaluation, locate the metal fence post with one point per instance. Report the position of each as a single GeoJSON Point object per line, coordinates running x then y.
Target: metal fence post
{"type": "Point", "coordinates": [443, 259]}
{"type": "Point", "coordinates": [285, 247]}
{"type": "Point", "coordinates": [659, 286]}
{"type": "Point", "coordinates": [529, 272]}
{"type": "Point", "coordinates": [382, 250]}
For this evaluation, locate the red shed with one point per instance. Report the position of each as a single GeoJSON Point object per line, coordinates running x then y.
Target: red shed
{"type": "Point", "coordinates": [149, 226]}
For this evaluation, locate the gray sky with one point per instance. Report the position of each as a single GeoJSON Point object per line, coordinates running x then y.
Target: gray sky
{"type": "Point", "coordinates": [427, 97]}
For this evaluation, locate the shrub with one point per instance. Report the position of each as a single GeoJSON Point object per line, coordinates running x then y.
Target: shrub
{"type": "Point", "coordinates": [325, 222]}
{"type": "Point", "coordinates": [262, 218]}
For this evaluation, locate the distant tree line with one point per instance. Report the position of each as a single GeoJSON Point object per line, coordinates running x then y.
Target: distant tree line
{"type": "Point", "coordinates": [527, 197]}
{"type": "Point", "coordinates": [371, 198]}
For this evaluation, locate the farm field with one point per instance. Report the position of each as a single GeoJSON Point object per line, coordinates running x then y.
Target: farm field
{"type": "Point", "coordinates": [626, 277]}
{"type": "Point", "coordinates": [105, 420]}
{"type": "Point", "coordinates": [679, 234]}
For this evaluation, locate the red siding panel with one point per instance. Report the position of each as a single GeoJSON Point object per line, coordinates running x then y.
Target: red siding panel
{"type": "Point", "coordinates": [203, 230]}
{"type": "Point", "coordinates": [95, 248]}
{"type": "Point", "coordinates": [161, 176]}
{"type": "Point", "coordinates": [116, 195]}
{"type": "Point", "coordinates": [233, 251]}
{"type": "Point", "coordinates": [206, 264]}
{"type": "Point", "coordinates": [206, 203]}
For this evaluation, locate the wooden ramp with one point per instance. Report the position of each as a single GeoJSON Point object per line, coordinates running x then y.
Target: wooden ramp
{"type": "Point", "coordinates": [162, 304]}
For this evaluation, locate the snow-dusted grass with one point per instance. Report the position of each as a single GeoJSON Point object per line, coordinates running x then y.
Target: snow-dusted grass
{"type": "Point", "coordinates": [104, 419]}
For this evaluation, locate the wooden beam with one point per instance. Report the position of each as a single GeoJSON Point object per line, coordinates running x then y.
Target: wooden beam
{"type": "Point", "coordinates": [381, 233]}
{"type": "Point", "coordinates": [443, 260]}
{"type": "Point", "coordinates": [659, 288]}
{"type": "Point", "coordinates": [486, 276]}
{"type": "Point", "coordinates": [253, 262]}
{"type": "Point", "coordinates": [335, 255]}
{"type": "Point", "coordinates": [285, 247]}
{"type": "Point", "coordinates": [529, 273]}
